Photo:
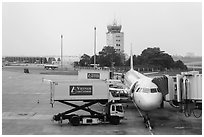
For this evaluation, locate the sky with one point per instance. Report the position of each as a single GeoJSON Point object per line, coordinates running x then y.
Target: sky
{"type": "Point", "coordinates": [34, 29]}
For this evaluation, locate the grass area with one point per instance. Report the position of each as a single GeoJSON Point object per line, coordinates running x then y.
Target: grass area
{"type": "Point", "coordinates": [40, 70]}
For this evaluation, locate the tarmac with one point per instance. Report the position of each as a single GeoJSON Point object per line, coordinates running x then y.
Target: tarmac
{"type": "Point", "coordinates": [26, 111]}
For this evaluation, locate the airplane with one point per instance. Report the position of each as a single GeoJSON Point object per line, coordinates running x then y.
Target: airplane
{"type": "Point", "coordinates": [143, 92]}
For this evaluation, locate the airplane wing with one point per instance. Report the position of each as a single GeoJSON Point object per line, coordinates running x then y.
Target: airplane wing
{"type": "Point", "coordinates": [117, 89]}
{"type": "Point", "coordinates": [149, 73]}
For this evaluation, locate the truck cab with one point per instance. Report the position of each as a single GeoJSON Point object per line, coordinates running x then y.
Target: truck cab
{"type": "Point", "coordinates": [117, 110]}
{"type": "Point", "coordinates": [115, 113]}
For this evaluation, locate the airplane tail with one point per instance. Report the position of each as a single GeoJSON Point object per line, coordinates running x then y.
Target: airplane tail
{"type": "Point", "coordinates": [131, 59]}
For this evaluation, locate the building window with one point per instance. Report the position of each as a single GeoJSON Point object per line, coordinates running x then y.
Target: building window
{"type": "Point", "coordinates": [118, 40]}
{"type": "Point", "coordinates": [117, 36]}
{"type": "Point", "coordinates": [118, 45]}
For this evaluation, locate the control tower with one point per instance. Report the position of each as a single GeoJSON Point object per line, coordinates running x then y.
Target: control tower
{"type": "Point", "coordinates": [114, 36]}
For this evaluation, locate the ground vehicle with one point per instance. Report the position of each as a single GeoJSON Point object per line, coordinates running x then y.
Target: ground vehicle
{"type": "Point", "coordinates": [88, 93]}
{"type": "Point", "coordinates": [113, 114]}
{"type": "Point", "coordinates": [50, 66]}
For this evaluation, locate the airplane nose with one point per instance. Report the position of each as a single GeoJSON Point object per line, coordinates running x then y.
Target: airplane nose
{"type": "Point", "coordinates": [148, 101]}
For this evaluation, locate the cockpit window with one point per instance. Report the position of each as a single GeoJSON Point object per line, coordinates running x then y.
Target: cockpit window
{"type": "Point", "coordinates": [146, 90]}
{"type": "Point", "coordinates": [154, 90]}
{"type": "Point", "coordinates": [137, 89]}
{"type": "Point", "coordinates": [133, 87]}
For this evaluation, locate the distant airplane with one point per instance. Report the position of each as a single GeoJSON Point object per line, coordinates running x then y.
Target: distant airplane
{"type": "Point", "coordinates": [144, 93]}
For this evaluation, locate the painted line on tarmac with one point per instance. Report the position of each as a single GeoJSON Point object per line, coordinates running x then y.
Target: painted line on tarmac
{"type": "Point", "coordinates": [41, 117]}
{"type": "Point", "coordinates": [150, 130]}
{"type": "Point", "coordinates": [25, 93]}
{"type": "Point", "coordinates": [24, 115]}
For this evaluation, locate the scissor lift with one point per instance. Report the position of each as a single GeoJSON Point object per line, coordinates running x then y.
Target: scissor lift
{"type": "Point", "coordinates": [113, 111]}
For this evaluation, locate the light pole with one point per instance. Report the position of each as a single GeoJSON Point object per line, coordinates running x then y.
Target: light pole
{"type": "Point", "coordinates": [94, 47]}
{"type": "Point", "coordinates": [61, 51]}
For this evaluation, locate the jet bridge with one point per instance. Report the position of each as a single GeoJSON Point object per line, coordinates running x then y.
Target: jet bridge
{"type": "Point", "coordinates": [187, 85]}
{"type": "Point", "coordinates": [185, 92]}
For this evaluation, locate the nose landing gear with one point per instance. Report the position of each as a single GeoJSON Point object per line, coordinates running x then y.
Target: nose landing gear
{"type": "Point", "coordinates": [147, 122]}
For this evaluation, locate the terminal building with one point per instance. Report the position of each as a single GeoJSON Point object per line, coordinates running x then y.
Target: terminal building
{"type": "Point", "coordinates": [68, 61]}
{"type": "Point", "coordinates": [114, 37]}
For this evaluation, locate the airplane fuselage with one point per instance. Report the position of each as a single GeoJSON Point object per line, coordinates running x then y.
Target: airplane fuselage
{"type": "Point", "coordinates": [143, 91]}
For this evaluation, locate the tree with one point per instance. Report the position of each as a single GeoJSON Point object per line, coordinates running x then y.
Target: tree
{"type": "Point", "coordinates": [85, 60]}
{"type": "Point", "coordinates": [50, 60]}
{"type": "Point", "coordinates": [109, 57]}
{"type": "Point", "coordinates": [180, 64]}
{"type": "Point", "coordinates": [45, 60]}
{"type": "Point", "coordinates": [76, 63]}
{"type": "Point", "coordinates": [154, 57]}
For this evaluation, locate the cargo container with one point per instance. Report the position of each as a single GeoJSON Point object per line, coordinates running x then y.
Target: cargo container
{"type": "Point", "coordinates": [94, 74]}
{"type": "Point", "coordinates": [81, 90]}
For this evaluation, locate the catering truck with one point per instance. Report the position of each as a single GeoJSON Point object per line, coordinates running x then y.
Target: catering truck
{"type": "Point", "coordinates": [86, 93]}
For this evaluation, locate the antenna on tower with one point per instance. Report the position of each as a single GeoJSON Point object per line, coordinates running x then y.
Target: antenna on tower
{"type": "Point", "coordinates": [114, 21]}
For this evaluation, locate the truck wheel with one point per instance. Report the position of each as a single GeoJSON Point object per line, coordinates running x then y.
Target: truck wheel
{"type": "Point", "coordinates": [115, 120]}
{"type": "Point", "coordinates": [75, 120]}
